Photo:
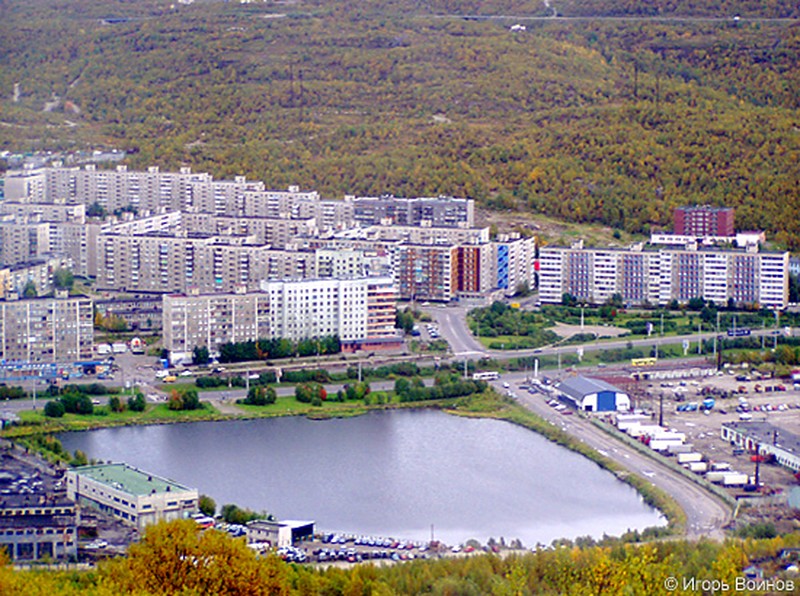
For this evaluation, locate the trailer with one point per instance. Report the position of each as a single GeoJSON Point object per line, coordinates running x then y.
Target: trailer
{"type": "Point", "coordinates": [119, 348]}
{"type": "Point", "coordinates": [676, 448]}
{"type": "Point", "coordinates": [687, 458]}
{"type": "Point", "coordinates": [669, 436]}
{"type": "Point", "coordinates": [659, 445]}
{"type": "Point", "coordinates": [720, 466]}
{"type": "Point", "coordinates": [735, 479]}
{"type": "Point", "coordinates": [698, 467]}
{"type": "Point", "coordinates": [716, 477]}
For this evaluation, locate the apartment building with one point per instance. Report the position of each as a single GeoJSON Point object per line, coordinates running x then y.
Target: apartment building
{"type": "Point", "coordinates": [515, 260]}
{"type": "Point", "coordinates": [163, 263]}
{"type": "Point", "coordinates": [425, 272]}
{"type": "Point", "coordinates": [55, 330]}
{"type": "Point", "coordinates": [143, 191]}
{"type": "Point", "coordinates": [431, 211]}
{"type": "Point", "coordinates": [358, 310]}
{"type": "Point", "coordinates": [210, 320]}
{"type": "Point", "coordinates": [645, 276]}
{"type": "Point", "coordinates": [345, 307]}
{"type": "Point", "coordinates": [275, 232]}
{"type": "Point", "coordinates": [44, 212]}
{"type": "Point", "coordinates": [419, 234]}
{"type": "Point", "coordinates": [21, 241]}
{"type": "Point", "coordinates": [15, 279]}
{"type": "Point", "coordinates": [703, 220]}
{"type": "Point", "coordinates": [474, 270]}
{"type": "Point", "coordinates": [340, 263]}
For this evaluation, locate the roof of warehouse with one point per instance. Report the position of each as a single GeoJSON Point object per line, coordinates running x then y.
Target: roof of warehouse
{"type": "Point", "coordinates": [578, 387]}
{"type": "Point", "coordinates": [768, 434]}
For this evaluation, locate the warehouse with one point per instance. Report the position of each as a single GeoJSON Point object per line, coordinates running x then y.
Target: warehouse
{"type": "Point", "coordinates": [279, 533]}
{"type": "Point", "coordinates": [593, 395]}
{"type": "Point", "coordinates": [135, 497]}
{"type": "Point", "coordinates": [765, 439]}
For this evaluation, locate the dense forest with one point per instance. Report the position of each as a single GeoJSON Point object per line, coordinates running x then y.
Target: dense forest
{"type": "Point", "coordinates": [177, 558]}
{"type": "Point", "coordinates": [611, 111]}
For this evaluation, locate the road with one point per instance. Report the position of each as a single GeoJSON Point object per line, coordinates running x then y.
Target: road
{"type": "Point", "coordinates": [706, 514]}
{"type": "Point", "coordinates": [452, 322]}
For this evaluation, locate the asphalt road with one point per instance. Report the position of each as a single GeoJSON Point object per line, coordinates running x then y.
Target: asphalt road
{"type": "Point", "coordinates": [705, 513]}
{"type": "Point", "coordinates": [452, 322]}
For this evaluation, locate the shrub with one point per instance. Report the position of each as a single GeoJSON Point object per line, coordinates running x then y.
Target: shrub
{"type": "Point", "coordinates": [54, 409]}
{"type": "Point", "coordinates": [136, 403]}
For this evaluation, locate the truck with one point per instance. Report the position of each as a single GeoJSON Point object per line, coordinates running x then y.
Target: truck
{"type": "Point", "coordinates": [708, 404]}
{"type": "Point", "coordinates": [104, 349]}
{"type": "Point", "coordinates": [735, 479]}
{"type": "Point", "coordinates": [687, 458]}
{"type": "Point", "coordinates": [119, 348]}
{"type": "Point", "coordinates": [698, 467]}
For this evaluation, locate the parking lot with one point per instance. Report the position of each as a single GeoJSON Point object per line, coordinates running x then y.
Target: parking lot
{"type": "Point", "coordinates": [735, 399]}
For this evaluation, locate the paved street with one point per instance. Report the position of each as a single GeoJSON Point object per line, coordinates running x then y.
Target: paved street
{"type": "Point", "coordinates": [705, 513]}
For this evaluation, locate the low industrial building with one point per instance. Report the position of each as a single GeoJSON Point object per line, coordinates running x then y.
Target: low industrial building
{"type": "Point", "coordinates": [37, 521]}
{"type": "Point", "coordinates": [764, 438]}
{"type": "Point", "coordinates": [279, 533]}
{"type": "Point", "coordinates": [593, 395]}
{"type": "Point", "coordinates": [34, 527]}
{"type": "Point", "coordinates": [136, 497]}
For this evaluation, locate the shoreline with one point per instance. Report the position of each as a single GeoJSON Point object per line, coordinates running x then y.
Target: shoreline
{"type": "Point", "coordinates": [489, 405]}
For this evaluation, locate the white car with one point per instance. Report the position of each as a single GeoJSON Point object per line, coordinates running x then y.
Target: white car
{"type": "Point", "coordinates": [506, 385]}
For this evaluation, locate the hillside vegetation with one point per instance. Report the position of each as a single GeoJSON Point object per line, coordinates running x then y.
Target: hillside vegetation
{"type": "Point", "coordinates": [176, 559]}
{"type": "Point", "coordinates": [614, 120]}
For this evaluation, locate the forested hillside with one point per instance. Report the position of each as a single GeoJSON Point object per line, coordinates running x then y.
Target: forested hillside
{"type": "Point", "coordinates": [175, 559]}
{"type": "Point", "coordinates": [615, 120]}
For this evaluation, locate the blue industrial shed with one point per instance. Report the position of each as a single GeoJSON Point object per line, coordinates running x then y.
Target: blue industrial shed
{"type": "Point", "coordinates": [593, 395]}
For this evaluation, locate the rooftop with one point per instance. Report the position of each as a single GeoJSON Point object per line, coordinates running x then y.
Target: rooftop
{"type": "Point", "coordinates": [131, 480]}
{"type": "Point", "coordinates": [581, 386]}
{"type": "Point", "coordinates": [768, 434]}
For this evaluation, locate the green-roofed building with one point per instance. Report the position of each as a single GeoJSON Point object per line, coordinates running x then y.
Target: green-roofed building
{"type": "Point", "coordinates": [134, 496]}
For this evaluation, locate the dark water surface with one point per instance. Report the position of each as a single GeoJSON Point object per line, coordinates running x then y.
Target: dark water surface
{"type": "Point", "coordinates": [389, 473]}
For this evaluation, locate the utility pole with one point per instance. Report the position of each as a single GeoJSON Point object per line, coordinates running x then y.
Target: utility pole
{"type": "Point", "coordinates": [699, 337]}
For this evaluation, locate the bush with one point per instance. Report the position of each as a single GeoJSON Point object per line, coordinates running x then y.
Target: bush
{"type": "Point", "coordinates": [77, 403]}
{"type": "Point", "coordinates": [115, 404]}
{"type": "Point", "coordinates": [305, 376]}
{"type": "Point", "coordinates": [210, 382]}
{"type": "Point", "coordinates": [11, 392]}
{"type": "Point", "coordinates": [260, 396]}
{"type": "Point", "coordinates": [54, 409]}
{"type": "Point", "coordinates": [136, 403]}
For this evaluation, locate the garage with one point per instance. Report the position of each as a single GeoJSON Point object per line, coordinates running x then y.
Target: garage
{"type": "Point", "coordinates": [593, 395]}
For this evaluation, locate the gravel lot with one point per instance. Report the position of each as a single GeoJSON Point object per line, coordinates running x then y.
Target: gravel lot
{"type": "Point", "coordinates": [703, 429]}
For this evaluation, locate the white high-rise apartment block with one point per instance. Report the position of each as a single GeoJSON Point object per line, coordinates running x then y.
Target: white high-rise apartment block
{"type": "Point", "coordinates": [657, 277]}
{"type": "Point", "coordinates": [356, 310]}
